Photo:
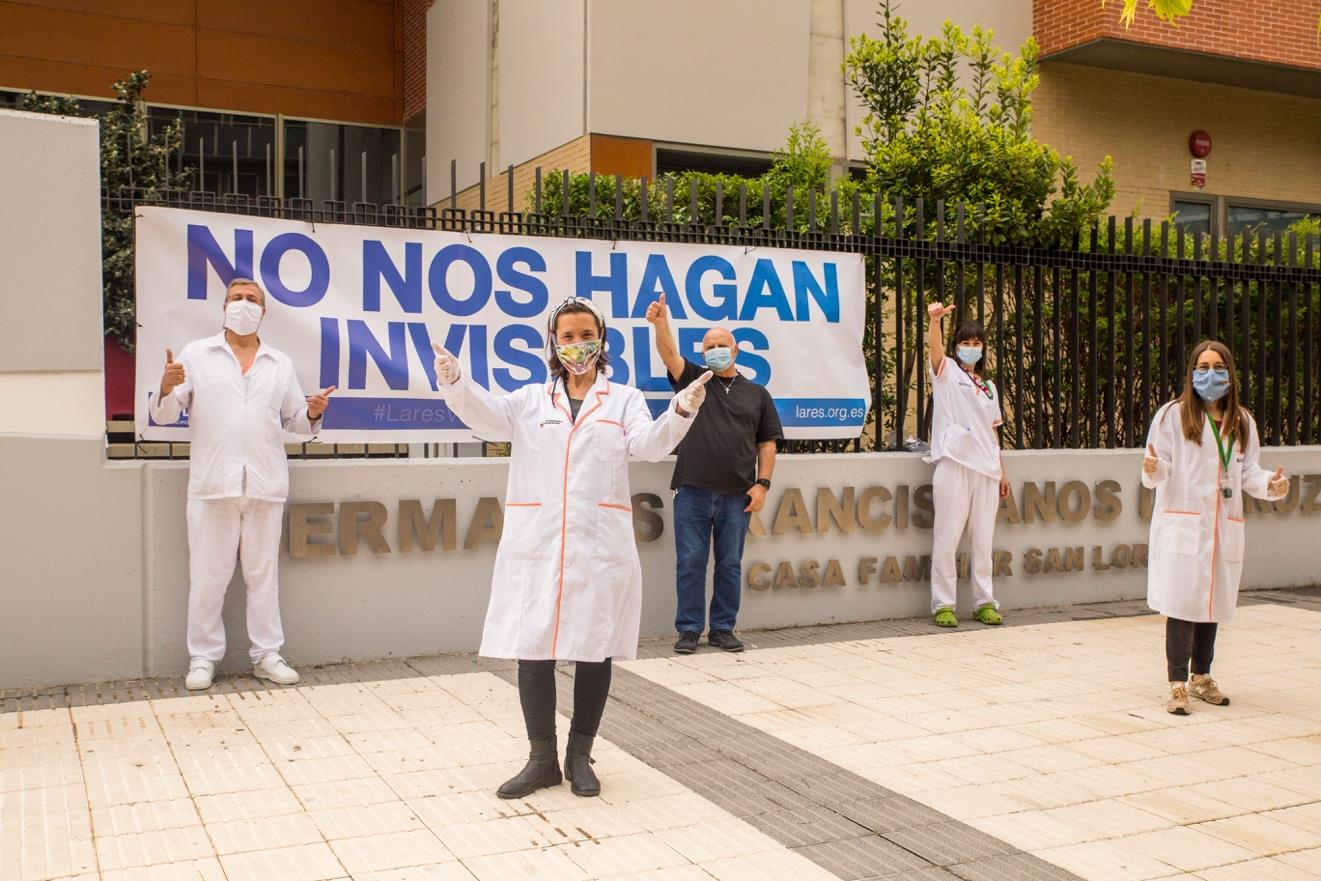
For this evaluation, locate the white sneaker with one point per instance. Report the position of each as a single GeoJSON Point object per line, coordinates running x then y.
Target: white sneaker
{"type": "Point", "coordinates": [273, 668]}
{"type": "Point", "coordinates": [200, 674]}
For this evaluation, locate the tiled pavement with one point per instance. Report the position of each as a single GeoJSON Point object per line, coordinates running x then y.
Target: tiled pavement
{"type": "Point", "coordinates": [884, 750]}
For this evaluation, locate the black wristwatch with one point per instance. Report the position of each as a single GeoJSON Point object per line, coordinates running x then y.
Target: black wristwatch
{"type": "Point", "coordinates": [764, 483]}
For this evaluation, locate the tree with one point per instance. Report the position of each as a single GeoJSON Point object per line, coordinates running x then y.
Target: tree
{"type": "Point", "coordinates": [131, 156]}
{"type": "Point", "coordinates": [1169, 11]}
{"type": "Point", "coordinates": [930, 132]}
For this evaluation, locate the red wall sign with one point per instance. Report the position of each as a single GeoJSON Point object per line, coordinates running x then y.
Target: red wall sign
{"type": "Point", "coordinates": [1199, 144]}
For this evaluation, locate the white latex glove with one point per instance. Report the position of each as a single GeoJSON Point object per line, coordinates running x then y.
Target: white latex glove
{"type": "Point", "coordinates": [447, 366]}
{"type": "Point", "coordinates": [691, 398]}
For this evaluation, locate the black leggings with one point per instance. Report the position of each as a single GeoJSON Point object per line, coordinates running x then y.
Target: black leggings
{"type": "Point", "coordinates": [1189, 641]}
{"type": "Point", "coordinates": [536, 692]}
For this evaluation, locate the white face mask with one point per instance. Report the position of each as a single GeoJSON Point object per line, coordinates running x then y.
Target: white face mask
{"type": "Point", "coordinates": [243, 317]}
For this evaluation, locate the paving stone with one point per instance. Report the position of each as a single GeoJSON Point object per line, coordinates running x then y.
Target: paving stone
{"type": "Point", "coordinates": [949, 842]}
{"type": "Point", "coordinates": [1014, 867]}
{"type": "Point", "coordinates": [855, 858]}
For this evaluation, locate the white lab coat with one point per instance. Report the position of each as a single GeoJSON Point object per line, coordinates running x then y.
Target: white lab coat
{"type": "Point", "coordinates": [237, 421]}
{"type": "Point", "coordinates": [567, 581]}
{"type": "Point", "coordinates": [1197, 535]}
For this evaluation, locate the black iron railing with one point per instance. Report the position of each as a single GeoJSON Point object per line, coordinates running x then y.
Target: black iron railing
{"type": "Point", "coordinates": [1085, 341]}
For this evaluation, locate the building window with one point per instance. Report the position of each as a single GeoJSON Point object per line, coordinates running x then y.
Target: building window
{"type": "Point", "coordinates": [11, 100]}
{"type": "Point", "coordinates": [1193, 217]}
{"type": "Point", "coordinates": [341, 162]}
{"type": "Point", "coordinates": [1233, 215]}
{"type": "Point", "coordinates": [227, 152]}
{"type": "Point", "coordinates": [680, 159]}
{"type": "Point", "coordinates": [1256, 218]}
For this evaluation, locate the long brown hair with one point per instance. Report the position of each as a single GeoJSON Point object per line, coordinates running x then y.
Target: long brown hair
{"type": "Point", "coordinates": [1191, 411]}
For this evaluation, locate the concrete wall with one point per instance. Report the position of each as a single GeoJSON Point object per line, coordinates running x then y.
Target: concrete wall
{"type": "Point", "coordinates": [458, 92]}
{"type": "Point", "coordinates": [676, 72]}
{"type": "Point", "coordinates": [51, 342]}
{"type": "Point", "coordinates": [95, 581]}
{"type": "Point", "coordinates": [542, 68]}
{"type": "Point", "coordinates": [50, 316]}
{"type": "Point", "coordinates": [727, 74]}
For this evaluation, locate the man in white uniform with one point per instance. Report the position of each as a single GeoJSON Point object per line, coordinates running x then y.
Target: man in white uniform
{"type": "Point", "coordinates": [242, 397]}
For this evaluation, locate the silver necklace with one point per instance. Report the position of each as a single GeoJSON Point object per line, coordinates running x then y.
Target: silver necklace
{"type": "Point", "coordinates": [732, 380]}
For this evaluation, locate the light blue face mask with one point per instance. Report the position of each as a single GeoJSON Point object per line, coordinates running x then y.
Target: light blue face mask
{"type": "Point", "coordinates": [719, 358]}
{"type": "Point", "coordinates": [969, 355]}
{"type": "Point", "coordinates": [1211, 385]}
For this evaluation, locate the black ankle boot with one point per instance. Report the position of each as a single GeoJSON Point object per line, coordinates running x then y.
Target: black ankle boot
{"type": "Point", "coordinates": [578, 765]}
{"type": "Point", "coordinates": [542, 769]}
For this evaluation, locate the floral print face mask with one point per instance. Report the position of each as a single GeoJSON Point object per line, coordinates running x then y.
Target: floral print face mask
{"type": "Point", "coordinates": [578, 358]}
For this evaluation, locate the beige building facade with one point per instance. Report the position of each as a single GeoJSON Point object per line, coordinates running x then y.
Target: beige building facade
{"type": "Point", "coordinates": [637, 88]}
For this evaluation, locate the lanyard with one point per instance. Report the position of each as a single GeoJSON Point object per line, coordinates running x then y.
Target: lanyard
{"type": "Point", "coordinates": [1225, 452]}
{"type": "Point", "coordinates": [985, 388]}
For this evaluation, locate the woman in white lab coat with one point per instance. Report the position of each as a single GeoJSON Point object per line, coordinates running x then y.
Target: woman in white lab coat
{"type": "Point", "coordinates": [567, 583]}
{"type": "Point", "coordinates": [1200, 467]}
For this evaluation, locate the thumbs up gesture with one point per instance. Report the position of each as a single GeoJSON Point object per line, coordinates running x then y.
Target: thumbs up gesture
{"type": "Point", "coordinates": [657, 313]}
{"type": "Point", "coordinates": [691, 398]}
{"type": "Point", "coordinates": [1150, 463]}
{"type": "Point", "coordinates": [174, 374]}
{"type": "Point", "coordinates": [1279, 483]}
{"type": "Point", "coordinates": [447, 366]}
{"type": "Point", "coordinates": [937, 311]}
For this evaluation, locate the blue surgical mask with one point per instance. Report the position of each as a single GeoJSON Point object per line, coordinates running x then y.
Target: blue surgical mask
{"type": "Point", "coordinates": [719, 358]}
{"type": "Point", "coordinates": [969, 355]}
{"type": "Point", "coordinates": [1211, 385]}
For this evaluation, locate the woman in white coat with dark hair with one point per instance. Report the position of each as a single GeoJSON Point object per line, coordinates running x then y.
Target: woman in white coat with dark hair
{"type": "Point", "coordinates": [567, 584]}
{"type": "Point", "coordinates": [1201, 458]}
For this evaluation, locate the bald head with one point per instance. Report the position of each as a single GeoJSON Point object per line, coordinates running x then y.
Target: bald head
{"type": "Point", "coordinates": [717, 336]}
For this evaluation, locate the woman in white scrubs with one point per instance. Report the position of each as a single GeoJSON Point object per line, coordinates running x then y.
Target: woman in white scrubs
{"type": "Point", "coordinates": [969, 480]}
{"type": "Point", "coordinates": [1200, 467]}
{"type": "Point", "coordinates": [567, 584]}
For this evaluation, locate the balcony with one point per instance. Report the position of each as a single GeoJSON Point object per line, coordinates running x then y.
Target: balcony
{"type": "Point", "coordinates": [1270, 44]}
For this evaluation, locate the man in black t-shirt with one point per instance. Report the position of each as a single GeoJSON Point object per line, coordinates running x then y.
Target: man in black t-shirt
{"type": "Point", "coordinates": [724, 469]}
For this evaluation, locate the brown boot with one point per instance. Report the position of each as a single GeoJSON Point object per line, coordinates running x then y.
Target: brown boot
{"type": "Point", "coordinates": [1178, 702]}
{"type": "Point", "coordinates": [1205, 687]}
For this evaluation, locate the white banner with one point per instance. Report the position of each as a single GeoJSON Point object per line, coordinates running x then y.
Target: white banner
{"type": "Point", "coordinates": [358, 307]}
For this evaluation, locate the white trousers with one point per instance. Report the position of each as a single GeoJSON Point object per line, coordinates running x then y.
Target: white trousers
{"type": "Point", "coordinates": [220, 531]}
{"type": "Point", "coordinates": [962, 497]}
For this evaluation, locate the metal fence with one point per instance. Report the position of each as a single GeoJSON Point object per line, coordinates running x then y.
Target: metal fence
{"type": "Point", "coordinates": [1085, 342]}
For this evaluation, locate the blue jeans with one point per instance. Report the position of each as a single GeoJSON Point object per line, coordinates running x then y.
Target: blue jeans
{"type": "Point", "coordinates": [700, 515]}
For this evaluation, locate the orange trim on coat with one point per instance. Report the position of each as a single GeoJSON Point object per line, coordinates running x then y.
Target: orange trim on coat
{"type": "Point", "coordinates": [613, 422]}
{"type": "Point", "coordinates": [564, 515]}
{"type": "Point", "coordinates": [616, 507]}
{"type": "Point", "coordinates": [1185, 513]}
{"type": "Point", "coordinates": [522, 504]}
{"type": "Point", "coordinates": [1236, 519]}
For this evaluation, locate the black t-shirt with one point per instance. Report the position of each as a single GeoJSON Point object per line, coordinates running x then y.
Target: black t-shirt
{"type": "Point", "coordinates": [720, 451]}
